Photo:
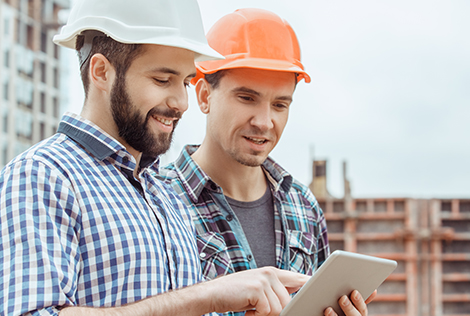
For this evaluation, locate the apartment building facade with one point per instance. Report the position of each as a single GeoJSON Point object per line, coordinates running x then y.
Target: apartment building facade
{"type": "Point", "coordinates": [32, 72]}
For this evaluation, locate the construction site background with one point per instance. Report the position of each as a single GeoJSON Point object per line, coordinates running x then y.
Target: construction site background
{"type": "Point", "coordinates": [429, 238]}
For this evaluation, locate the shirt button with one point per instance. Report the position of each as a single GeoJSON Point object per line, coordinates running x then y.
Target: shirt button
{"type": "Point", "coordinates": [125, 159]}
{"type": "Point", "coordinates": [213, 186]}
{"type": "Point", "coordinates": [202, 255]}
{"type": "Point", "coordinates": [249, 257]}
{"type": "Point", "coordinates": [229, 218]}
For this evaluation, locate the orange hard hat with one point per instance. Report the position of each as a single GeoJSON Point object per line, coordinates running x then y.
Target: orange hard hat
{"type": "Point", "coordinates": [253, 38]}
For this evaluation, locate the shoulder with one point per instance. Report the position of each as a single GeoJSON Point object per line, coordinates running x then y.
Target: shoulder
{"type": "Point", "coordinates": [296, 198]}
{"type": "Point", "coordinates": [50, 153]}
{"type": "Point", "coordinates": [57, 157]}
{"type": "Point", "coordinates": [185, 176]}
{"type": "Point", "coordinates": [302, 197]}
{"type": "Point", "coordinates": [303, 191]}
{"type": "Point", "coordinates": [169, 175]}
{"type": "Point", "coordinates": [38, 179]}
{"type": "Point", "coordinates": [293, 190]}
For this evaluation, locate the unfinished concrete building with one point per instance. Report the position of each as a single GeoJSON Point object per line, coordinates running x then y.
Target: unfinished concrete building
{"type": "Point", "coordinates": [429, 238]}
{"type": "Point", "coordinates": [31, 68]}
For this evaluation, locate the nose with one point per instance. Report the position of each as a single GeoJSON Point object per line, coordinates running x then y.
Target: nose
{"type": "Point", "coordinates": [262, 117]}
{"type": "Point", "coordinates": [178, 99]}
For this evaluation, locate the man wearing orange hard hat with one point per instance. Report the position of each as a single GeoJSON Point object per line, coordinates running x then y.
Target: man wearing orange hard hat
{"type": "Point", "coordinates": [249, 212]}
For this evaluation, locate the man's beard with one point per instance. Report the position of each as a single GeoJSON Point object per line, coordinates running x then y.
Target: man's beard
{"type": "Point", "coordinates": [251, 159]}
{"type": "Point", "coordinates": [133, 127]}
{"type": "Point", "coordinates": [247, 161]}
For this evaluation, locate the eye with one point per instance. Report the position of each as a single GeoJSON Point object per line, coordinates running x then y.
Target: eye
{"type": "Point", "coordinates": [161, 81]}
{"type": "Point", "coordinates": [246, 98]}
{"type": "Point", "coordinates": [281, 106]}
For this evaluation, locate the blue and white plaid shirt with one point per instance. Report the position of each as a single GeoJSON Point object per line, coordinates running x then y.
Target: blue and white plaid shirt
{"type": "Point", "coordinates": [75, 231]}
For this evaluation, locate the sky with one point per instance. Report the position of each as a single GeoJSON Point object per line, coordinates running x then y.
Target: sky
{"type": "Point", "coordinates": [390, 95]}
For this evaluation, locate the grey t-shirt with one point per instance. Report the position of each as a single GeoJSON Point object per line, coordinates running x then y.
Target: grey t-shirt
{"type": "Point", "coordinates": [257, 221]}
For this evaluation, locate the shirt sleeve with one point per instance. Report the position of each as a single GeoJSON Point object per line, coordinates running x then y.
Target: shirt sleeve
{"type": "Point", "coordinates": [39, 248]}
{"type": "Point", "coordinates": [322, 238]}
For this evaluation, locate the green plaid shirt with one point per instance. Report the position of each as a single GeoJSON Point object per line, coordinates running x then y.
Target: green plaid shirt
{"type": "Point", "coordinates": [299, 223]}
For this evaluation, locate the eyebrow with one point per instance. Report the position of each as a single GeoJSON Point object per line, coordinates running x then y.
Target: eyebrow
{"type": "Point", "coordinates": [254, 92]}
{"type": "Point", "coordinates": [171, 71]}
{"type": "Point", "coordinates": [246, 90]}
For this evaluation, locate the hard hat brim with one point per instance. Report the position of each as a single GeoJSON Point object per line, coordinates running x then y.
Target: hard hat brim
{"type": "Point", "coordinates": [130, 35]}
{"type": "Point", "coordinates": [210, 67]}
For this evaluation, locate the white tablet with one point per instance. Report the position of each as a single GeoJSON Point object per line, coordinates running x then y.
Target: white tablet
{"type": "Point", "coordinates": [339, 275]}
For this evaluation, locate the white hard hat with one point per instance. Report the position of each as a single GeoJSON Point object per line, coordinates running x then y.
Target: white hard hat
{"type": "Point", "coordinates": [175, 23]}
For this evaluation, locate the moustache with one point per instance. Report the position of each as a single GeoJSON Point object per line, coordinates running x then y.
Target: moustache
{"type": "Point", "coordinates": [168, 113]}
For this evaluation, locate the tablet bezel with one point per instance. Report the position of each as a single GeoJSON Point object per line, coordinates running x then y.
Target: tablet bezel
{"type": "Point", "coordinates": [339, 275]}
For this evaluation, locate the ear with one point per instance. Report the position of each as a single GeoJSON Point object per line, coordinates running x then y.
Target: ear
{"type": "Point", "coordinates": [203, 92]}
{"type": "Point", "coordinates": [101, 72]}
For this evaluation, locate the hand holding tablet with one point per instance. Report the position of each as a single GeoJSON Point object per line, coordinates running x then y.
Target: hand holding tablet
{"type": "Point", "coordinates": [339, 275]}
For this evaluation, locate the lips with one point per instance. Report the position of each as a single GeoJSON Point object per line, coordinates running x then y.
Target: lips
{"type": "Point", "coordinates": [164, 121]}
{"type": "Point", "coordinates": [258, 141]}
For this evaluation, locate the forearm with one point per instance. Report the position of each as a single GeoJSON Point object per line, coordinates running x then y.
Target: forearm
{"type": "Point", "coordinates": [194, 300]}
{"type": "Point", "coordinates": [266, 290]}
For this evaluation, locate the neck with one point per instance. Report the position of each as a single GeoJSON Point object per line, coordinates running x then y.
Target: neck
{"type": "Point", "coordinates": [240, 182]}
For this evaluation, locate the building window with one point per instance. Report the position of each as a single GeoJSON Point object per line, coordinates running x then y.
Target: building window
{"type": "Point", "coordinates": [30, 37]}
{"type": "Point", "coordinates": [361, 206]}
{"type": "Point", "coordinates": [43, 10]}
{"type": "Point", "coordinates": [55, 11]}
{"type": "Point", "coordinates": [5, 155]}
{"type": "Point", "coordinates": [29, 133]}
{"type": "Point", "coordinates": [43, 41]}
{"type": "Point", "coordinates": [399, 206]}
{"type": "Point", "coordinates": [5, 123]}
{"type": "Point", "coordinates": [6, 88]}
{"type": "Point", "coordinates": [56, 51]}
{"type": "Point", "coordinates": [338, 207]}
{"type": "Point", "coordinates": [42, 130]}
{"type": "Point", "coordinates": [31, 8]}
{"type": "Point", "coordinates": [55, 103]}
{"type": "Point", "coordinates": [7, 58]}
{"type": "Point", "coordinates": [56, 78]}
{"type": "Point", "coordinates": [446, 206]}
{"type": "Point", "coordinates": [464, 206]}
{"type": "Point", "coordinates": [43, 72]}
{"type": "Point", "coordinates": [380, 206]}
{"type": "Point", "coordinates": [43, 102]}
{"type": "Point", "coordinates": [18, 32]}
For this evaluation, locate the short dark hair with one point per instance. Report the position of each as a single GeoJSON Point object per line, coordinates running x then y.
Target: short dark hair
{"type": "Point", "coordinates": [120, 55]}
{"type": "Point", "coordinates": [214, 78]}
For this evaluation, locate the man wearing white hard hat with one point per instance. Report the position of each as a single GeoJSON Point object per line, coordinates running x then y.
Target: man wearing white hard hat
{"type": "Point", "coordinates": [85, 227]}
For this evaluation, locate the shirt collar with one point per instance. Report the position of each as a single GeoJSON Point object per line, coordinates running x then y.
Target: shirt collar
{"type": "Point", "coordinates": [99, 143]}
{"type": "Point", "coordinates": [195, 179]}
{"type": "Point", "coordinates": [278, 176]}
